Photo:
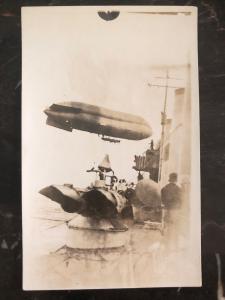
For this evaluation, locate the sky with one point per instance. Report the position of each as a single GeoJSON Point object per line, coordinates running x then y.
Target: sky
{"type": "Point", "coordinates": [74, 55]}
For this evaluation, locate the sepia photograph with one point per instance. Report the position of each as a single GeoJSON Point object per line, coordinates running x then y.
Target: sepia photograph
{"type": "Point", "coordinates": [110, 147]}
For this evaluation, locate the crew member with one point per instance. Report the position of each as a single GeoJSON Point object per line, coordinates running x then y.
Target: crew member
{"type": "Point", "coordinates": [171, 198]}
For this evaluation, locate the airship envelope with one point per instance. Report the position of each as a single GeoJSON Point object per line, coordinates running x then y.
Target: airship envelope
{"type": "Point", "coordinates": [96, 119]}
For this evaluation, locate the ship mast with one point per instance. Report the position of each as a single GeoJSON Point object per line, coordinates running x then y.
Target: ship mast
{"type": "Point", "coordinates": [164, 116]}
{"type": "Point", "coordinates": [163, 123]}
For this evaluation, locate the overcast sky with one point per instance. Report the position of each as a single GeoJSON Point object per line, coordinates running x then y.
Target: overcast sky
{"type": "Point", "coordinates": [70, 54]}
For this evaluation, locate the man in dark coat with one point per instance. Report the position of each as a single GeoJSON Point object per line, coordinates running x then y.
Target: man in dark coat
{"type": "Point", "coordinates": [171, 199]}
{"type": "Point", "coordinates": [171, 193]}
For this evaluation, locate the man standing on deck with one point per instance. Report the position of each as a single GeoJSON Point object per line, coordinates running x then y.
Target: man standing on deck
{"type": "Point", "coordinates": [171, 199]}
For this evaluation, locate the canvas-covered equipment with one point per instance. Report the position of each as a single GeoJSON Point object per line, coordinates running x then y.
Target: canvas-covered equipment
{"type": "Point", "coordinates": [148, 193]}
{"type": "Point", "coordinates": [94, 202]}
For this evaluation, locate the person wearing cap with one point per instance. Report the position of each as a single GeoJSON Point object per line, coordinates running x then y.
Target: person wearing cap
{"type": "Point", "coordinates": [171, 198]}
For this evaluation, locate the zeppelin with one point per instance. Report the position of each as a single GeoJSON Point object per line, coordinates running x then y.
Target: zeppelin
{"type": "Point", "coordinates": [98, 120]}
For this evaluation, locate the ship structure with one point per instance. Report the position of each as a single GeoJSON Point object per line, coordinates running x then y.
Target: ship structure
{"type": "Point", "coordinates": [148, 162]}
{"type": "Point", "coordinates": [98, 201]}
